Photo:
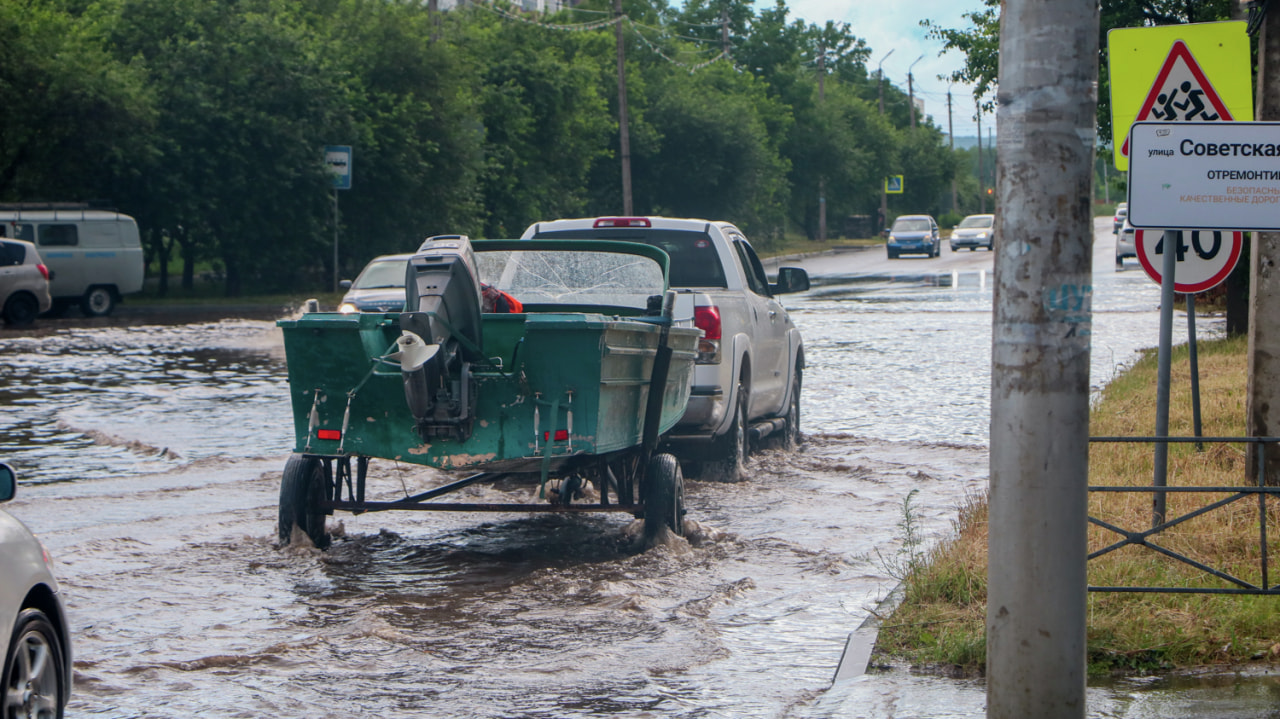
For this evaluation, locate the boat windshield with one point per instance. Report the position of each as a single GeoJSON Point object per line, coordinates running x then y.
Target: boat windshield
{"type": "Point", "coordinates": [579, 277]}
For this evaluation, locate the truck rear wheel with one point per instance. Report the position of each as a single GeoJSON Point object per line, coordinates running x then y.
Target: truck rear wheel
{"type": "Point", "coordinates": [731, 447]}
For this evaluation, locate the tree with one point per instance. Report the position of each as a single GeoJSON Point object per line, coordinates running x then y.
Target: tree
{"type": "Point", "coordinates": [546, 123]}
{"type": "Point", "coordinates": [75, 117]}
{"type": "Point", "coordinates": [980, 43]}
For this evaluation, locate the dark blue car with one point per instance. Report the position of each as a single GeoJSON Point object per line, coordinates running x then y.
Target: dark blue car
{"type": "Point", "coordinates": [914, 235]}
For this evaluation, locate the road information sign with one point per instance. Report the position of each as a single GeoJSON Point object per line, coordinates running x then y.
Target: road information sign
{"type": "Point", "coordinates": [893, 185]}
{"type": "Point", "coordinates": [1177, 73]}
{"type": "Point", "coordinates": [338, 159]}
{"type": "Point", "coordinates": [1205, 175]}
{"type": "Point", "coordinates": [1204, 257]}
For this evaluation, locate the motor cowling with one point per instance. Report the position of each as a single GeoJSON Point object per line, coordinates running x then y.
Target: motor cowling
{"type": "Point", "coordinates": [441, 337]}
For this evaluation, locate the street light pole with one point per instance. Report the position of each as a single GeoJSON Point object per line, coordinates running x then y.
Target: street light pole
{"type": "Point", "coordinates": [880, 78]}
{"type": "Point", "coordinates": [911, 93]}
{"type": "Point", "coordinates": [884, 194]}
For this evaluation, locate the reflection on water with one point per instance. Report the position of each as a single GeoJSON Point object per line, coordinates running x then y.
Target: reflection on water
{"type": "Point", "coordinates": [117, 401]}
{"type": "Point", "coordinates": [908, 357]}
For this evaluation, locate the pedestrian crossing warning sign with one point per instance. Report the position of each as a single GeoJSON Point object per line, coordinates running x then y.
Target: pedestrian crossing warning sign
{"type": "Point", "coordinates": [1177, 73]}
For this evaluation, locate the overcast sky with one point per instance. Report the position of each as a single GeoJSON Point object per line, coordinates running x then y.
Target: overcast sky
{"type": "Point", "coordinates": [895, 25]}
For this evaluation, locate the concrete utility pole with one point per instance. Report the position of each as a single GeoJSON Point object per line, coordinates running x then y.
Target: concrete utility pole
{"type": "Point", "coordinates": [982, 180]}
{"type": "Point", "coordinates": [884, 192]}
{"type": "Point", "coordinates": [911, 92]}
{"type": "Point", "coordinates": [1263, 401]}
{"type": "Point", "coordinates": [1036, 598]}
{"type": "Point", "coordinates": [951, 134]}
{"type": "Point", "coordinates": [822, 183]}
{"type": "Point", "coordinates": [624, 135]}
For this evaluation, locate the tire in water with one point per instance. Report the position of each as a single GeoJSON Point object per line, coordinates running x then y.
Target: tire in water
{"type": "Point", "coordinates": [663, 496]}
{"type": "Point", "coordinates": [731, 463]}
{"type": "Point", "coordinates": [36, 669]}
{"type": "Point", "coordinates": [302, 488]}
{"type": "Point", "coordinates": [791, 432]}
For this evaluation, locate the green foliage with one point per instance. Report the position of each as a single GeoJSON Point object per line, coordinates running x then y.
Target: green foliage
{"type": "Point", "coordinates": [980, 43]}
{"type": "Point", "coordinates": [207, 121]}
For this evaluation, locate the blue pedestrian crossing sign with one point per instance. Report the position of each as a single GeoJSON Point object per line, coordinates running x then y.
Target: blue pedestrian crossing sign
{"type": "Point", "coordinates": [893, 185]}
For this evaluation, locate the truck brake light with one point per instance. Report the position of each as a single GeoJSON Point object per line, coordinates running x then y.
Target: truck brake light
{"type": "Point", "coordinates": [622, 222]}
{"type": "Point", "coordinates": [707, 319]}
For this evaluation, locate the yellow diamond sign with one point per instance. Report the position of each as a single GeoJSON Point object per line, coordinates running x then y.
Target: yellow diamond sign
{"type": "Point", "coordinates": [1174, 73]}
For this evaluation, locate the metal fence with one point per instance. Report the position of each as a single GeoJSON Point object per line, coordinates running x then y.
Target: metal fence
{"type": "Point", "coordinates": [1237, 493]}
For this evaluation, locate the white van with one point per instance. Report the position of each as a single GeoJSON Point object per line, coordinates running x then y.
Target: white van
{"type": "Point", "coordinates": [94, 256]}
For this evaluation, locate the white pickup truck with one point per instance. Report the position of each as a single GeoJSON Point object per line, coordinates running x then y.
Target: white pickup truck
{"type": "Point", "coordinates": [747, 381]}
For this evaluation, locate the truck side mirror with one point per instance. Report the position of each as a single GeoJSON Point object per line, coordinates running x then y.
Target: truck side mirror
{"type": "Point", "coordinates": [790, 279]}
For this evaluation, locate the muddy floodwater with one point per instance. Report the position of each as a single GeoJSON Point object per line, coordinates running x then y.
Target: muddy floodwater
{"type": "Point", "coordinates": [150, 457]}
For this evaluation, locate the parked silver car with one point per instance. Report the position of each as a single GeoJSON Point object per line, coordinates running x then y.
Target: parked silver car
{"type": "Point", "coordinates": [746, 383]}
{"type": "Point", "coordinates": [24, 283]}
{"type": "Point", "coordinates": [33, 623]}
{"type": "Point", "coordinates": [378, 288]}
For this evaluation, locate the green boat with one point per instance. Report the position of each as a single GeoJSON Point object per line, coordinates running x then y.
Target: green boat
{"type": "Point", "coordinates": [575, 387]}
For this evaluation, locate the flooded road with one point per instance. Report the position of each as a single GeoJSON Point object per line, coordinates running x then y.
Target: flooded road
{"type": "Point", "coordinates": [150, 458]}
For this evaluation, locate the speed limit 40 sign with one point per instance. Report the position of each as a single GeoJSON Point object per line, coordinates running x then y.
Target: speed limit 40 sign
{"type": "Point", "coordinates": [1203, 258]}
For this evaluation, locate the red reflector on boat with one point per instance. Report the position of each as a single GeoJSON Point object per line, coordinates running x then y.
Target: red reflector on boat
{"type": "Point", "coordinates": [622, 222]}
{"type": "Point", "coordinates": [329, 434]}
{"type": "Point", "coordinates": [561, 435]}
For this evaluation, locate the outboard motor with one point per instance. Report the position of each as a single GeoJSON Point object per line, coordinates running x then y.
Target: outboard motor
{"type": "Point", "coordinates": [441, 336]}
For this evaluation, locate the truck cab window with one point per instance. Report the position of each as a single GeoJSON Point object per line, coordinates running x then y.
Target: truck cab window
{"type": "Point", "coordinates": [756, 278]}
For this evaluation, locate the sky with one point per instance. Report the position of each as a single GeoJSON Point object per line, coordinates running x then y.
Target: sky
{"type": "Point", "coordinates": [894, 25]}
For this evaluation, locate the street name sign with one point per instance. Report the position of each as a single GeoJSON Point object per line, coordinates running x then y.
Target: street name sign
{"type": "Point", "coordinates": [1198, 72]}
{"type": "Point", "coordinates": [1205, 175]}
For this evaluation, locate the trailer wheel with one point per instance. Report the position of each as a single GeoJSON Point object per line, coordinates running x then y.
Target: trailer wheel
{"type": "Point", "coordinates": [302, 487]}
{"type": "Point", "coordinates": [98, 302]}
{"type": "Point", "coordinates": [663, 496]}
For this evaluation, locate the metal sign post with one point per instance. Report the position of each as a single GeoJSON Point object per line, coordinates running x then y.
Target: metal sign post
{"type": "Point", "coordinates": [1198, 176]}
{"type": "Point", "coordinates": [338, 159]}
